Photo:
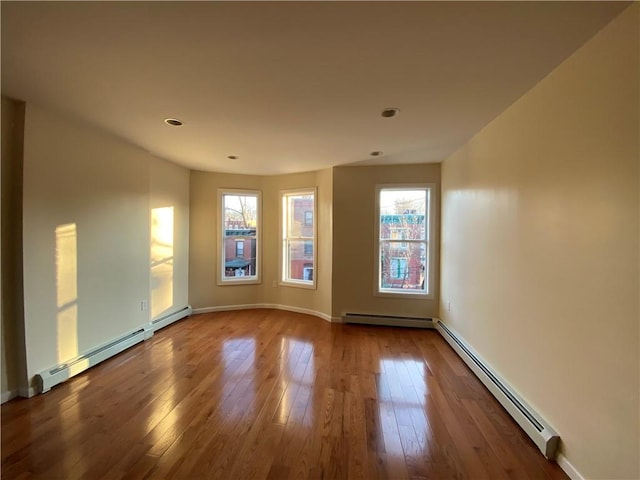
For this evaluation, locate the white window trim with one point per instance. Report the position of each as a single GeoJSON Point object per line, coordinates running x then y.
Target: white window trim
{"type": "Point", "coordinates": [431, 236]}
{"type": "Point", "coordinates": [226, 281]}
{"type": "Point", "coordinates": [282, 225]}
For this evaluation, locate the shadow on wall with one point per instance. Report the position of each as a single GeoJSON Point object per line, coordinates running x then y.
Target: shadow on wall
{"type": "Point", "coordinates": [161, 260]}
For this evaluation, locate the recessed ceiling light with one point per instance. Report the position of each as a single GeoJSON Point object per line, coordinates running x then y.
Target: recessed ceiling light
{"type": "Point", "coordinates": [390, 112]}
{"type": "Point", "coordinates": [173, 122]}
{"type": "Point", "coordinates": [232, 157]}
{"type": "Point", "coordinates": [377, 153]}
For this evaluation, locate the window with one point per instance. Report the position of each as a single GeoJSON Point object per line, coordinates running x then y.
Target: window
{"type": "Point", "coordinates": [240, 236]}
{"type": "Point", "coordinates": [405, 223]}
{"type": "Point", "coordinates": [298, 238]}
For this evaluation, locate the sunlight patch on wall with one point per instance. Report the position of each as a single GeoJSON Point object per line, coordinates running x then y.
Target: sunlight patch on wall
{"type": "Point", "coordinates": [67, 291]}
{"type": "Point", "coordinates": [161, 260]}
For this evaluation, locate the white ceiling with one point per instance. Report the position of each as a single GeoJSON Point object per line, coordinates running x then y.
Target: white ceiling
{"type": "Point", "coordinates": [288, 86]}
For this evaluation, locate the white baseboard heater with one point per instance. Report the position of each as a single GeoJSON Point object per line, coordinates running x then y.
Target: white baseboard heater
{"type": "Point", "coordinates": [49, 378]}
{"type": "Point", "coordinates": [387, 320]}
{"type": "Point", "coordinates": [545, 438]}
{"type": "Point", "coordinates": [162, 322]}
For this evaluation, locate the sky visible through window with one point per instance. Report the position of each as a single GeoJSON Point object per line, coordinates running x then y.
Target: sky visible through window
{"type": "Point", "coordinates": [402, 201]}
{"type": "Point", "coordinates": [241, 207]}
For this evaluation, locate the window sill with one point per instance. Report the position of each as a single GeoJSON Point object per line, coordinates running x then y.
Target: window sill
{"type": "Point", "coordinates": [239, 281]}
{"type": "Point", "coordinates": [406, 295]}
{"type": "Point", "coordinates": [294, 284]}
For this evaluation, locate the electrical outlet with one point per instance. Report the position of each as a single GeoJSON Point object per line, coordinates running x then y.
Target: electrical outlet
{"type": "Point", "coordinates": [448, 306]}
{"type": "Point", "coordinates": [274, 284]}
{"type": "Point", "coordinates": [144, 305]}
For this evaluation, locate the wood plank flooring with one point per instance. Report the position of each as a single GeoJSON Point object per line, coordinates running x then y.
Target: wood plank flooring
{"type": "Point", "coordinates": [267, 394]}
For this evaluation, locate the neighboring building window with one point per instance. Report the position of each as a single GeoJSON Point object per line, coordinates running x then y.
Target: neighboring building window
{"type": "Point", "coordinates": [399, 233]}
{"type": "Point", "coordinates": [405, 255]}
{"type": "Point", "coordinates": [308, 218]}
{"type": "Point", "coordinates": [307, 272]}
{"type": "Point", "coordinates": [308, 248]}
{"type": "Point", "coordinates": [298, 237]}
{"type": "Point", "coordinates": [398, 269]}
{"type": "Point", "coordinates": [240, 213]}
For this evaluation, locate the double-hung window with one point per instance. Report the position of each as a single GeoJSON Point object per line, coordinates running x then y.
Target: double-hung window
{"type": "Point", "coordinates": [298, 258]}
{"type": "Point", "coordinates": [240, 236]}
{"type": "Point", "coordinates": [405, 222]}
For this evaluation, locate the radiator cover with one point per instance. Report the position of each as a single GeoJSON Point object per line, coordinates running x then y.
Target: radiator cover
{"type": "Point", "coordinates": [545, 438]}
{"type": "Point", "coordinates": [387, 320]}
{"type": "Point", "coordinates": [51, 377]}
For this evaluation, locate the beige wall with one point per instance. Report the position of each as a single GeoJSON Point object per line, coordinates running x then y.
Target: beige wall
{"type": "Point", "coordinates": [204, 230]}
{"type": "Point", "coordinates": [318, 299]}
{"type": "Point", "coordinates": [540, 249]}
{"type": "Point", "coordinates": [87, 200]}
{"type": "Point", "coordinates": [204, 291]}
{"type": "Point", "coordinates": [12, 314]}
{"type": "Point", "coordinates": [354, 239]}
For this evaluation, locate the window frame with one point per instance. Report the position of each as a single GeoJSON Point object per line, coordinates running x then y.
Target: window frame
{"type": "Point", "coordinates": [283, 280]}
{"type": "Point", "coordinates": [430, 240]}
{"type": "Point", "coordinates": [257, 278]}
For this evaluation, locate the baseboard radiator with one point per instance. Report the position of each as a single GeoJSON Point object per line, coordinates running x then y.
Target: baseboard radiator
{"type": "Point", "coordinates": [545, 438]}
{"type": "Point", "coordinates": [49, 378]}
{"type": "Point", "coordinates": [387, 320]}
{"type": "Point", "coordinates": [162, 322]}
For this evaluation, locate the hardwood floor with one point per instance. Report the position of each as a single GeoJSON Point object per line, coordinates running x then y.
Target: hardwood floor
{"type": "Point", "coordinates": [268, 394]}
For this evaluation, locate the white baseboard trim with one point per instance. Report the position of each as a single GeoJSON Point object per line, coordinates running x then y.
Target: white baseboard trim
{"type": "Point", "coordinates": [274, 306]}
{"type": "Point", "coordinates": [305, 311]}
{"type": "Point", "coordinates": [568, 468]}
{"type": "Point", "coordinates": [10, 395]}
{"type": "Point", "coordinates": [225, 308]}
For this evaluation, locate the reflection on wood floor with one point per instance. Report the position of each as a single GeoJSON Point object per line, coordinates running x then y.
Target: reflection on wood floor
{"type": "Point", "coordinates": [271, 394]}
